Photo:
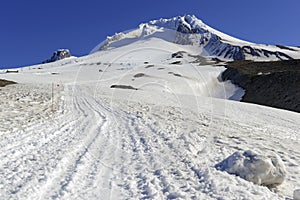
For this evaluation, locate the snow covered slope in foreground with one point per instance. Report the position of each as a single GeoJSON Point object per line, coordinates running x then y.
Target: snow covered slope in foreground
{"type": "Point", "coordinates": [188, 30]}
{"type": "Point", "coordinates": [157, 134]}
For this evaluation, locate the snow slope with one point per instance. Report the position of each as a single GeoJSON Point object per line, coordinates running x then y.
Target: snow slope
{"type": "Point", "coordinates": [161, 139]}
{"type": "Point", "coordinates": [189, 30]}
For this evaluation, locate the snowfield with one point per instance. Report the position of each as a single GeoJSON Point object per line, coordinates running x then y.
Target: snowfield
{"type": "Point", "coordinates": [24, 104]}
{"type": "Point", "coordinates": [157, 135]}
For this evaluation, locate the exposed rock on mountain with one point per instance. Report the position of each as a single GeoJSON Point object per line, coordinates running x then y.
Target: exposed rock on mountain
{"type": "Point", "coordinates": [6, 82]}
{"type": "Point", "coordinates": [189, 30]}
{"type": "Point", "coordinates": [273, 84]}
{"type": "Point", "coordinates": [59, 55]}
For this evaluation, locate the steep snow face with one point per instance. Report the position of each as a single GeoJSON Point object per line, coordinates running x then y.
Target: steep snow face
{"type": "Point", "coordinates": [188, 30]}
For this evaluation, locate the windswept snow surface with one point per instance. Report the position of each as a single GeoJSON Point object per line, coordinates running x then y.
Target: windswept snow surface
{"type": "Point", "coordinates": [160, 141]}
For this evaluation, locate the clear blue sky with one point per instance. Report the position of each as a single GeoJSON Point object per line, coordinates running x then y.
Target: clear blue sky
{"type": "Point", "coordinates": [31, 30]}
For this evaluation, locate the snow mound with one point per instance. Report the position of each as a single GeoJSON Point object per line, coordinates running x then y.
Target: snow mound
{"type": "Point", "coordinates": [267, 170]}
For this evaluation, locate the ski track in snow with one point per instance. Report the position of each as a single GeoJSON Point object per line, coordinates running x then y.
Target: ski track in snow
{"type": "Point", "coordinates": [120, 150]}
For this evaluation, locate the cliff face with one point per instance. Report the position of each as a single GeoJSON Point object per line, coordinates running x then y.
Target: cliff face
{"type": "Point", "coordinates": [274, 84]}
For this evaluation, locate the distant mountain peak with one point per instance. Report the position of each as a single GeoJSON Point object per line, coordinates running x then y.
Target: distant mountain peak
{"type": "Point", "coordinates": [59, 55]}
{"type": "Point", "coordinates": [189, 23]}
{"type": "Point", "coordinates": [189, 30]}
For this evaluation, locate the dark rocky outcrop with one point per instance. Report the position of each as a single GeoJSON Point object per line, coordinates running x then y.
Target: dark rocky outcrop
{"type": "Point", "coordinates": [285, 47]}
{"type": "Point", "coordinates": [6, 82]}
{"type": "Point", "coordinates": [59, 55]}
{"type": "Point", "coordinates": [274, 84]}
{"type": "Point", "coordinates": [217, 47]}
{"type": "Point", "coordinates": [214, 45]}
{"type": "Point", "coordinates": [178, 54]}
{"type": "Point", "coordinates": [139, 75]}
{"type": "Point", "coordinates": [11, 71]}
{"type": "Point", "coordinates": [123, 87]}
{"type": "Point", "coordinates": [259, 52]}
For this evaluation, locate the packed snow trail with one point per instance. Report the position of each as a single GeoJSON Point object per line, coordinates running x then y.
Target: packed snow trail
{"type": "Point", "coordinates": [104, 148]}
{"type": "Point", "coordinates": [94, 151]}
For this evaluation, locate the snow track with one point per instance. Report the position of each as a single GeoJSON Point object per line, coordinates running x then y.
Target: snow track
{"type": "Point", "coordinates": [100, 148]}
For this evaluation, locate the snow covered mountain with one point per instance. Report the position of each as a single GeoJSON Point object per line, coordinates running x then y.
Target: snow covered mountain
{"type": "Point", "coordinates": [145, 116]}
{"type": "Point", "coordinates": [188, 30]}
{"type": "Point", "coordinates": [59, 55]}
